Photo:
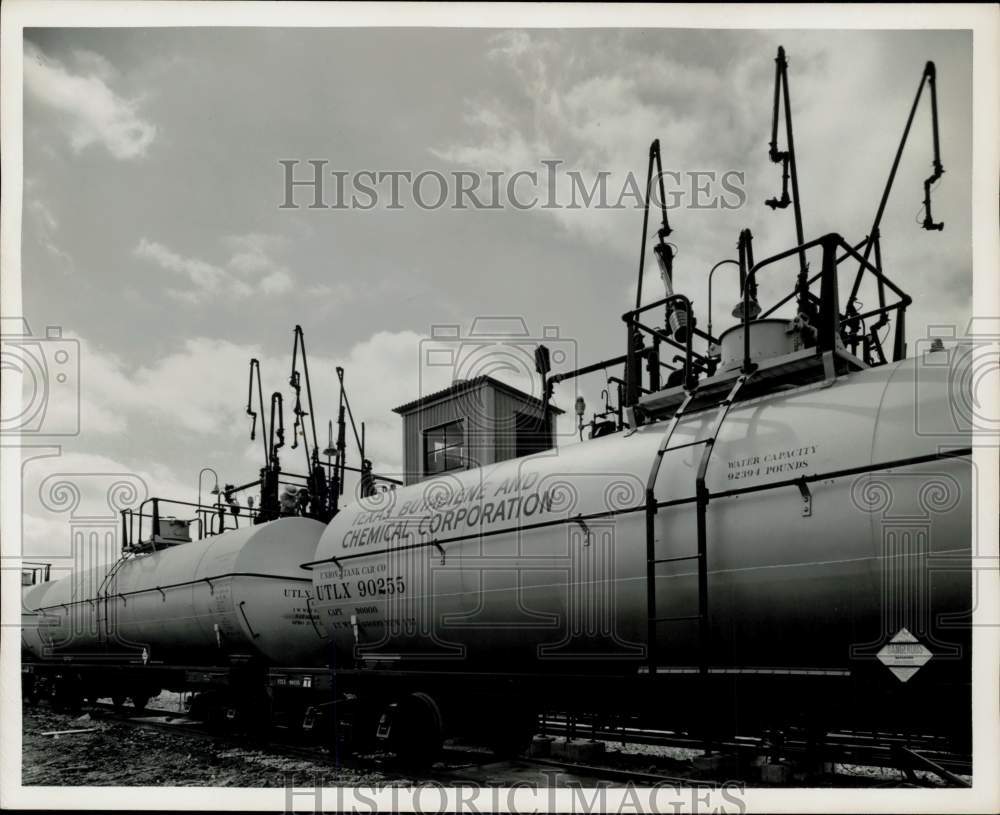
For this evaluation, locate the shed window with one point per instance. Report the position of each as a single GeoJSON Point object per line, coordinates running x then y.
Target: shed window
{"type": "Point", "coordinates": [444, 448]}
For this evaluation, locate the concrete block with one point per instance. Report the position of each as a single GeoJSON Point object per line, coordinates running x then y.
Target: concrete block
{"type": "Point", "coordinates": [775, 773]}
{"type": "Point", "coordinates": [717, 765]}
{"type": "Point", "coordinates": [584, 750]}
{"type": "Point", "coordinates": [811, 771]}
{"type": "Point", "coordinates": [541, 746]}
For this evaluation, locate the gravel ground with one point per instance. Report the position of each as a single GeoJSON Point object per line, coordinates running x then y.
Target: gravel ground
{"type": "Point", "coordinates": [112, 753]}
{"type": "Point", "coordinates": [655, 750]}
{"type": "Point", "coordinates": [117, 753]}
{"type": "Point", "coordinates": [891, 776]}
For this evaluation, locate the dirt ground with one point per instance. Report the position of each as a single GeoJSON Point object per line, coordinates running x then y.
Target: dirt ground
{"type": "Point", "coordinates": [109, 752]}
{"type": "Point", "coordinates": [117, 753]}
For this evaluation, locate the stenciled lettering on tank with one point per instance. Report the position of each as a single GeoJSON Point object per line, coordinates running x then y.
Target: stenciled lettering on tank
{"type": "Point", "coordinates": [299, 615]}
{"type": "Point", "coordinates": [785, 461]}
{"type": "Point", "coordinates": [361, 587]}
{"type": "Point", "coordinates": [462, 512]}
{"type": "Point", "coordinates": [222, 605]}
{"type": "Point", "coordinates": [299, 612]}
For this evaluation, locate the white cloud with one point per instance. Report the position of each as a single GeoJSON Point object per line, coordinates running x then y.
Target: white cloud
{"type": "Point", "coordinates": [195, 395]}
{"type": "Point", "coordinates": [94, 64]}
{"type": "Point", "coordinates": [276, 282]}
{"type": "Point", "coordinates": [199, 389]}
{"type": "Point", "coordinates": [204, 278]}
{"type": "Point", "coordinates": [601, 100]}
{"type": "Point", "coordinates": [189, 390]}
{"type": "Point", "coordinates": [249, 270]}
{"type": "Point", "coordinates": [76, 492]}
{"type": "Point", "coordinates": [93, 113]}
{"type": "Point", "coordinates": [45, 225]}
{"type": "Point", "coordinates": [594, 115]}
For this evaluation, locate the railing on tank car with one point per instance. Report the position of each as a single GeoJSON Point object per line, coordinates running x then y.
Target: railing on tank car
{"type": "Point", "coordinates": [692, 363]}
{"type": "Point", "coordinates": [832, 323]}
{"type": "Point", "coordinates": [33, 573]}
{"type": "Point", "coordinates": [209, 519]}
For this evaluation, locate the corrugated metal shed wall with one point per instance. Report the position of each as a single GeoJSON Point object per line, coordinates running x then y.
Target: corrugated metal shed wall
{"type": "Point", "coordinates": [507, 407]}
{"type": "Point", "coordinates": [475, 407]}
{"type": "Point", "coordinates": [489, 416]}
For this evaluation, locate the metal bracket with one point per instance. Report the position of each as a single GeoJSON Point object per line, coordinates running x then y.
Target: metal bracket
{"type": "Point", "coordinates": [807, 501]}
{"type": "Point", "coordinates": [440, 551]}
{"type": "Point", "coordinates": [312, 618]}
{"type": "Point", "coordinates": [163, 594]}
{"type": "Point", "coordinates": [911, 758]}
{"type": "Point", "coordinates": [631, 419]}
{"type": "Point", "coordinates": [249, 627]}
{"type": "Point", "coordinates": [211, 588]}
{"type": "Point", "coordinates": [829, 369]}
{"type": "Point", "coordinates": [585, 528]}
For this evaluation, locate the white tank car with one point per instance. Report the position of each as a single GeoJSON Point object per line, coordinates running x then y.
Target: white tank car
{"type": "Point", "coordinates": [32, 599]}
{"type": "Point", "coordinates": [534, 563]}
{"type": "Point", "coordinates": [237, 593]}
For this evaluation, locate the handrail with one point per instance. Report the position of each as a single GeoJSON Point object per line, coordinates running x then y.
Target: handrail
{"type": "Point", "coordinates": [201, 511]}
{"type": "Point", "coordinates": [249, 627]}
{"type": "Point", "coordinates": [831, 323]}
{"type": "Point", "coordinates": [312, 617]}
{"type": "Point", "coordinates": [830, 319]}
{"type": "Point", "coordinates": [691, 358]}
{"type": "Point", "coordinates": [183, 584]}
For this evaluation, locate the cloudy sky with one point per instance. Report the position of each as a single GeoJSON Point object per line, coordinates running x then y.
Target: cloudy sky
{"type": "Point", "coordinates": [153, 232]}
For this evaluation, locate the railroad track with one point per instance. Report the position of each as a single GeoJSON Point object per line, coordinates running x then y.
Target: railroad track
{"type": "Point", "coordinates": [469, 764]}
{"type": "Point", "coordinates": [458, 763]}
{"type": "Point", "coordinates": [844, 747]}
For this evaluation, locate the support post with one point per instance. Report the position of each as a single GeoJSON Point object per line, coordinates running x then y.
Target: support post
{"type": "Point", "coordinates": [156, 518]}
{"type": "Point", "coordinates": [829, 318]}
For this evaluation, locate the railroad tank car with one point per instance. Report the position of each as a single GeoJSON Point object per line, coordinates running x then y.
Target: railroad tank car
{"type": "Point", "coordinates": [238, 594]}
{"type": "Point", "coordinates": [32, 600]}
{"type": "Point", "coordinates": [839, 521]}
{"type": "Point", "coordinates": [804, 544]}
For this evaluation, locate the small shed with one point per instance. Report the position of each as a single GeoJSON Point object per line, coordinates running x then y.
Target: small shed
{"type": "Point", "coordinates": [472, 423]}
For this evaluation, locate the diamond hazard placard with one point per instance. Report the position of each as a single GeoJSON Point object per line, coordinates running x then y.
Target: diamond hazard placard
{"type": "Point", "coordinates": [904, 655]}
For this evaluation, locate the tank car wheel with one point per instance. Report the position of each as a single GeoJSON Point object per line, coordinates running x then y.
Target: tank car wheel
{"type": "Point", "coordinates": [208, 707]}
{"type": "Point", "coordinates": [416, 732]}
{"type": "Point", "coordinates": [66, 696]}
{"type": "Point", "coordinates": [511, 730]}
{"type": "Point", "coordinates": [139, 701]}
{"type": "Point", "coordinates": [351, 725]}
{"type": "Point", "coordinates": [118, 701]}
{"type": "Point", "coordinates": [29, 690]}
{"type": "Point", "coordinates": [254, 713]}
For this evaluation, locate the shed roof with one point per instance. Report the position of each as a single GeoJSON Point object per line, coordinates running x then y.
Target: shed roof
{"type": "Point", "coordinates": [471, 384]}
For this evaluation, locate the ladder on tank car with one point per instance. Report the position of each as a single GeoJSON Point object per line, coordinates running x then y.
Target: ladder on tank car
{"type": "Point", "coordinates": [701, 501]}
{"type": "Point", "coordinates": [105, 587]}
